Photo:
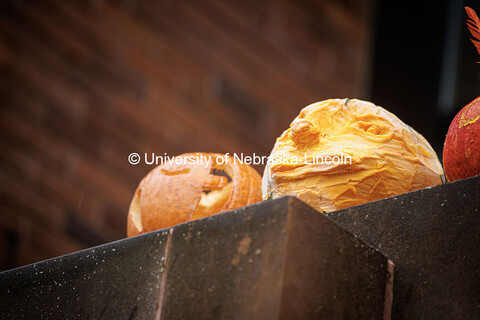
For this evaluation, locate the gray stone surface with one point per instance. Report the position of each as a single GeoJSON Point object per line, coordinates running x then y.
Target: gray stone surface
{"type": "Point", "coordinates": [276, 260]}
{"type": "Point", "coordinates": [433, 236]}
{"type": "Point", "coordinates": [118, 280]}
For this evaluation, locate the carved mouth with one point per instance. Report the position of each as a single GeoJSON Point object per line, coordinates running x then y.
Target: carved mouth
{"type": "Point", "coordinates": [135, 211]}
{"type": "Point", "coordinates": [216, 193]}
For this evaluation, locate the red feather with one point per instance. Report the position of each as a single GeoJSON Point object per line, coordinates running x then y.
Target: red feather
{"type": "Point", "coordinates": [474, 27]}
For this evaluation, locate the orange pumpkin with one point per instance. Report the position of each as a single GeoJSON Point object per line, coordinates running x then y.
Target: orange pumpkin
{"type": "Point", "coordinates": [191, 186]}
{"type": "Point", "coordinates": [382, 156]}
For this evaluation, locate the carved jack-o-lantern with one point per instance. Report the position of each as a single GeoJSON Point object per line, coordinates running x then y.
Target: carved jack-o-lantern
{"type": "Point", "coordinates": [382, 156]}
{"type": "Point", "coordinates": [193, 186]}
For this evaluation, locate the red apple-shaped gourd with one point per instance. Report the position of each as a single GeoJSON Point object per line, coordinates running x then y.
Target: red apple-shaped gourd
{"type": "Point", "coordinates": [461, 152]}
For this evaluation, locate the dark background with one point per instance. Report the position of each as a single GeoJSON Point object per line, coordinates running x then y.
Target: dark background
{"type": "Point", "coordinates": [424, 68]}
{"type": "Point", "coordinates": [85, 83]}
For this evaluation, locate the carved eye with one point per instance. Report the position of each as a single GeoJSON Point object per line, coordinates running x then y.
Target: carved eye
{"type": "Point", "coordinates": [374, 125]}
{"type": "Point", "coordinates": [175, 193]}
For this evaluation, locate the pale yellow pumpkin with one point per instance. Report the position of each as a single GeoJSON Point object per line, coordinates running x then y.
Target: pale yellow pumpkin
{"type": "Point", "coordinates": [382, 156]}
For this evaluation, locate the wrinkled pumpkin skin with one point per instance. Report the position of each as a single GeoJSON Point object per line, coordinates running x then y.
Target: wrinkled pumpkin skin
{"type": "Point", "coordinates": [461, 151]}
{"type": "Point", "coordinates": [387, 157]}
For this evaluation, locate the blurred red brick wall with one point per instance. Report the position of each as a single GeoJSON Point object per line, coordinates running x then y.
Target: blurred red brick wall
{"type": "Point", "coordinates": [85, 83]}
